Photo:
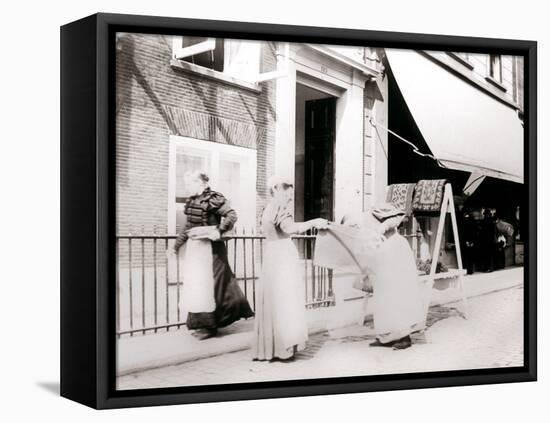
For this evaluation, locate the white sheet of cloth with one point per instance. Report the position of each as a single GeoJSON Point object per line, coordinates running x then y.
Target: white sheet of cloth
{"type": "Point", "coordinates": [198, 279]}
{"type": "Point", "coordinates": [344, 248]}
{"type": "Point", "coordinates": [398, 296]}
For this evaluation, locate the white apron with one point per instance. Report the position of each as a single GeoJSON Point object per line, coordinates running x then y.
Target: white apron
{"type": "Point", "coordinates": [197, 275]}
{"type": "Point", "coordinates": [398, 304]}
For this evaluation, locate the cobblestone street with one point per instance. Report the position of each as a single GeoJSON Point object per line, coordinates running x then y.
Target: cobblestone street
{"type": "Point", "coordinates": [491, 337]}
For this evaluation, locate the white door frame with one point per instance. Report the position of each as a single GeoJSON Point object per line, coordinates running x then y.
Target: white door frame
{"type": "Point", "coordinates": [339, 78]}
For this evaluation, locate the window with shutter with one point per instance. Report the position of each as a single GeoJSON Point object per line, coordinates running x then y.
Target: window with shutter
{"type": "Point", "coordinates": [242, 59]}
{"type": "Point", "coordinates": [239, 59]}
{"type": "Point", "coordinates": [201, 51]}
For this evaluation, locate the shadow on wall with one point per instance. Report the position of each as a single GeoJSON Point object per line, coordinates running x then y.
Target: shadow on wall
{"type": "Point", "coordinates": [126, 53]}
{"type": "Point", "coordinates": [135, 90]}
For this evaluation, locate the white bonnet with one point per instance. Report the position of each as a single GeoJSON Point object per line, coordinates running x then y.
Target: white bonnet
{"type": "Point", "coordinates": [275, 180]}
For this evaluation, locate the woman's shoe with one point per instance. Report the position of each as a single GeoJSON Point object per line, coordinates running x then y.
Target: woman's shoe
{"type": "Point", "coordinates": [283, 360]}
{"type": "Point", "coordinates": [377, 343]}
{"type": "Point", "coordinates": [209, 333]}
{"type": "Point", "coordinates": [402, 343]}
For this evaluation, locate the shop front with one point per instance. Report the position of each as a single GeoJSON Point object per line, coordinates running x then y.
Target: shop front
{"type": "Point", "coordinates": [466, 135]}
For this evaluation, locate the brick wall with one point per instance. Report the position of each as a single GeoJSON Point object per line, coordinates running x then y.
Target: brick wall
{"type": "Point", "coordinates": [150, 96]}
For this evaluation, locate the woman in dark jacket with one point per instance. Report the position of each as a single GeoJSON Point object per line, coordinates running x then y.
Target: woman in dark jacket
{"type": "Point", "coordinates": [488, 241]}
{"type": "Point", "coordinates": [210, 296]}
{"type": "Point", "coordinates": [468, 229]}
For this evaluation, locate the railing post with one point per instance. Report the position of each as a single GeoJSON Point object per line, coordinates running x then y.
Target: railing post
{"type": "Point", "coordinates": [244, 266]}
{"type": "Point", "coordinates": [178, 281]}
{"type": "Point", "coordinates": [117, 288]}
{"type": "Point", "coordinates": [166, 283]}
{"type": "Point", "coordinates": [130, 288]}
{"type": "Point", "coordinates": [330, 291]}
{"type": "Point", "coordinates": [143, 277]}
{"type": "Point", "coordinates": [253, 242]}
{"type": "Point", "coordinates": [313, 287]}
{"type": "Point", "coordinates": [155, 281]}
{"type": "Point", "coordinates": [235, 256]}
{"type": "Point", "coordinates": [261, 251]}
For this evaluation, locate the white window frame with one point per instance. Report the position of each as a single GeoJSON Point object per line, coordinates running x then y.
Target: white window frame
{"type": "Point", "coordinates": [179, 52]}
{"type": "Point", "coordinates": [489, 66]}
{"type": "Point", "coordinates": [252, 76]}
{"type": "Point", "coordinates": [216, 151]}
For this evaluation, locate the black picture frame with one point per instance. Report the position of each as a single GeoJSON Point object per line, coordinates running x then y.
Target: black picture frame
{"type": "Point", "coordinates": [88, 212]}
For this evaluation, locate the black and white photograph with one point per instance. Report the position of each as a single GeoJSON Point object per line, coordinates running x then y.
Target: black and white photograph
{"type": "Point", "coordinates": [309, 211]}
{"type": "Point", "coordinates": [296, 211]}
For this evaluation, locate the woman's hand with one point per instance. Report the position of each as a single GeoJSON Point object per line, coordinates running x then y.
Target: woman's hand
{"type": "Point", "coordinates": [171, 253]}
{"type": "Point", "coordinates": [214, 235]}
{"type": "Point", "coordinates": [319, 223]}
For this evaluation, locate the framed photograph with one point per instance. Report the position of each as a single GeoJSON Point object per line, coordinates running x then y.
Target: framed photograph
{"type": "Point", "coordinates": [257, 211]}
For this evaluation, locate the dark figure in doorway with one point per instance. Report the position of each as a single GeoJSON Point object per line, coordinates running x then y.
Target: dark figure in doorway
{"type": "Point", "coordinates": [469, 240]}
{"type": "Point", "coordinates": [500, 247]}
{"type": "Point", "coordinates": [487, 241]}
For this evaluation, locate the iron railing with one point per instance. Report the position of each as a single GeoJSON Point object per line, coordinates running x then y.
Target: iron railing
{"type": "Point", "coordinates": [149, 286]}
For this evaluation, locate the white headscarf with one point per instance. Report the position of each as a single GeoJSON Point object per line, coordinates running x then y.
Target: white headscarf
{"type": "Point", "coordinates": [276, 180]}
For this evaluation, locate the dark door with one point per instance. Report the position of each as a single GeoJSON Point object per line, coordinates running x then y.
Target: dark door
{"type": "Point", "coordinates": [319, 158]}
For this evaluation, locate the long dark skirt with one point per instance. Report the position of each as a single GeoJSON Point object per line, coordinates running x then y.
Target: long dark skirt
{"type": "Point", "coordinates": [231, 304]}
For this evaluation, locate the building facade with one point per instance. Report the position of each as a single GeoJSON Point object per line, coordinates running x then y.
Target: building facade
{"type": "Point", "coordinates": [466, 111]}
{"type": "Point", "coordinates": [242, 111]}
{"type": "Point", "coordinates": [331, 118]}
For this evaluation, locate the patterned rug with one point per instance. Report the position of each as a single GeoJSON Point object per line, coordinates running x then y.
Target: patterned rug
{"type": "Point", "coordinates": [401, 196]}
{"type": "Point", "coordinates": [428, 195]}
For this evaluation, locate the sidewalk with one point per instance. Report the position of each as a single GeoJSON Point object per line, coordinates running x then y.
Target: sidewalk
{"type": "Point", "coordinates": [139, 353]}
{"type": "Point", "coordinates": [491, 337]}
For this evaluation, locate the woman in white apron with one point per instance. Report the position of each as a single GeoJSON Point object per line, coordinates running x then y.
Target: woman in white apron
{"type": "Point", "coordinates": [280, 325]}
{"type": "Point", "coordinates": [211, 296]}
{"type": "Point", "coordinates": [397, 297]}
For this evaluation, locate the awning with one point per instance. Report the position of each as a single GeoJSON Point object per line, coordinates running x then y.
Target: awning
{"type": "Point", "coordinates": [465, 128]}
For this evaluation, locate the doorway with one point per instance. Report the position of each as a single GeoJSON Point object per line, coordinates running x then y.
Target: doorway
{"type": "Point", "coordinates": [314, 166]}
